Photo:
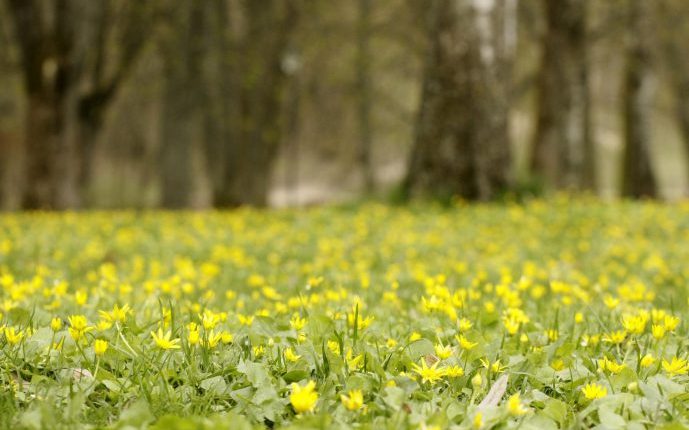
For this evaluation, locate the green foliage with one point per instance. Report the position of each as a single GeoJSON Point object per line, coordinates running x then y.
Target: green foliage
{"type": "Point", "coordinates": [369, 316]}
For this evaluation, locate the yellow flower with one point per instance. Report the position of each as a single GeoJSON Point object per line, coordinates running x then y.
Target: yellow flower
{"type": "Point", "coordinates": [515, 407]}
{"type": "Point", "coordinates": [454, 371]}
{"type": "Point", "coordinates": [117, 314]}
{"type": "Point", "coordinates": [594, 391]}
{"type": "Point", "coordinates": [194, 337]}
{"type": "Point", "coordinates": [414, 337]}
{"type": "Point", "coordinates": [611, 302]}
{"type": "Point", "coordinates": [557, 364]}
{"type": "Point", "coordinates": [209, 319]}
{"type": "Point", "coordinates": [163, 341]}
{"type": "Point", "coordinates": [13, 336]}
{"type": "Point", "coordinates": [634, 324]}
{"type": "Point", "coordinates": [552, 335]}
{"type": "Point", "coordinates": [443, 351]}
{"type": "Point", "coordinates": [464, 343]}
{"type": "Point", "coordinates": [615, 337]}
{"type": "Point", "coordinates": [226, 337]}
{"type": "Point", "coordinates": [78, 326]}
{"type": "Point", "coordinates": [56, 324]}
{"type": "Point", "coordinates": [495, 367]}
{"type": "Point", "coordinates": [647, 360]}
{"type": "Point", "coordinates": [245, 320]}
{"type": "Point", "coordinates": [80, 297]}
{"type": "Point", "coordinates": [390, 343]}
{"type": "Point", "coordinates": [303, 399]}
{"type": "Point", "coordinates": [352, 361]}
{"type": "Point", "coordinates": [511, 325]}
{"type": "Point", "coordinates": [212, 339]}
{"type": "Point", "coordinates": [259, 351]}
{"type": "Point", "coordinates": [578, 318]}
{"type": "Point", "coordinates": [678, 366]}
{"type": "Point", "coordinates": [291, 356]}
{"type": "Point", "coordinates": [610, 365]}
{"type": "Point", "coordinates": [353, 401]}
{"type": "Point", "coordinates": [334, 346]}
{"type": "Point", "coordinates": [100, 346]}
{"type": "Point", "coordinates": [464, 324]}
{"type": "Point", "coordinates": [478, 420]}
{"type": "Point", "coordinates": [671, 322]}
{"type": "Point", "coordinates": [362, 323]}
{"type": "Point", "coordinates": [297, 323]}
{"type": "Point", "coordinates": [658, 331]}
{"type": "Point", "coordinates": [103, 325]}
{"type": "Point", "coordinates": [428, 374]}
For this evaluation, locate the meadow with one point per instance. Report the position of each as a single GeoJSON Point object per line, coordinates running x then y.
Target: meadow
{"type": "Point", "coordinates": [559, 313]}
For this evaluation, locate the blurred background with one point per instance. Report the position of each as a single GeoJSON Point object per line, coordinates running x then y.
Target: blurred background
{"type": "Point", "coordinates": [222, 103]}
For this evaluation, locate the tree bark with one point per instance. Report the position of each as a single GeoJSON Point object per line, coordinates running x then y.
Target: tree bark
{"type": "Point", "coordinates": [364, 94]}
{"type": "Point", "coordinates": [462, 143]}
{"type": "Point", "coordinates": [676, 55]}
{"type": "Point", "coordinates": [181, 112]}
{"type": "Point", "coordinates": [638, 179]}
{"type": "Point", "coordinates": [248, 159]}
{"type": "Point", "coordinates": [563, 152]}
{"type": "Point", "coordinates": [62, 65]}
{"type": "Point", "coordinates": [47, 71]}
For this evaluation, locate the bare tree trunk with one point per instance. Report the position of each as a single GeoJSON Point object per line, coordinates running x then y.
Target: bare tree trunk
{"type": "Point", "coordinates": [44, 145]}
{"type": "Point", "coordinates": [675, 15]}
{"type": "Point", "coordinates": [61, 49]}
{"type": "Point", "coordinates": [181, 112]}
{"type": "Point", "coordinates": [263, 49]}
{"type": "Point", "coordinates": [221, 90]}
{"type": "Point", "coordinates": [563, 148]}
{"type": "Point", "coordinates": [638, 176]}
{"type": "Point", "coordinates": [364, 94]}
{"type": "Point", "coordinates": [93, 102]}
{"type": "Point", "coordinates": [48, 72]}
{"type": "Point", "coordinates": [462, 143]}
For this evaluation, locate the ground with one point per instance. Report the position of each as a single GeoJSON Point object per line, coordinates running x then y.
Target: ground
{"type": "Point", "coordinates": [547, 314]}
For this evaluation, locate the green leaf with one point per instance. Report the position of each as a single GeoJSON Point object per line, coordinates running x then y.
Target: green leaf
{"type": "Point", "coordinates": [215, 385]}
{"type": "Point", "coordinates": [556, 410]}
{"type": "Point", "coordinates": [295, 376]}
{"type": "Point", "coordinates": [255, 373]}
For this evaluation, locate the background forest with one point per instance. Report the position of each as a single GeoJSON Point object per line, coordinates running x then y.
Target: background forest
{"type": "Point", "coordinates": [200, 103]}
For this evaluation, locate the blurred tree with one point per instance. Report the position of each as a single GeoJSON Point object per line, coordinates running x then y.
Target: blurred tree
{"type": "Point", "coordinates": [261, 60]}
{"type": "Point", "coordinates": [563, 152]}
{"type": "Point", "coordinates": [71, 72]}
{"type": "Point", "coordinates": [462, 145]}
{"type": "Point", "coordinates": [674, 16]}
{"type": "Point", "coordinates": [363, 70]}
{"type": "Point", "coordinates": [638, 179]}
{"type": "Point", "coordinates": [221, 91]}
{"type": "Point", "coordinates": [182, 47]}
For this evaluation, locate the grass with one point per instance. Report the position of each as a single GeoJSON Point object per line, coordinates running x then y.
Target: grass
{"type": "Point", "coordinates": [549, 314]}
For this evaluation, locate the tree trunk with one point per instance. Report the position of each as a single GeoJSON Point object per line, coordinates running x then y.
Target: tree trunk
{"type": "Point", "coordinates": [248, 159]}
{"type": "Point", "coordinates": [181, 113]}
{"type": "Point", "coordinates": [48, 71]}
{"type": "Point", "coordinates": [57, 47]}
{"type": "Point", "coordinates": [638, 176]}
{"type": "Point", "coordinates": [563, 148]}
{"type": "Point", "coordinates": [45, 149]}
{"type": "Point", "coordinates": [676, 55]}
{"type": "Point", "coordinates": [364, 94]}
{"type": "Point", "coordinates": [220, 92]}
{"type": "Point", "coordinates": [462, 143]}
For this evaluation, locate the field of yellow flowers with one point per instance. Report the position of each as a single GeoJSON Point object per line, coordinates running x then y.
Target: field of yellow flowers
{"type": "Point", "coordinates": [549, 314]}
